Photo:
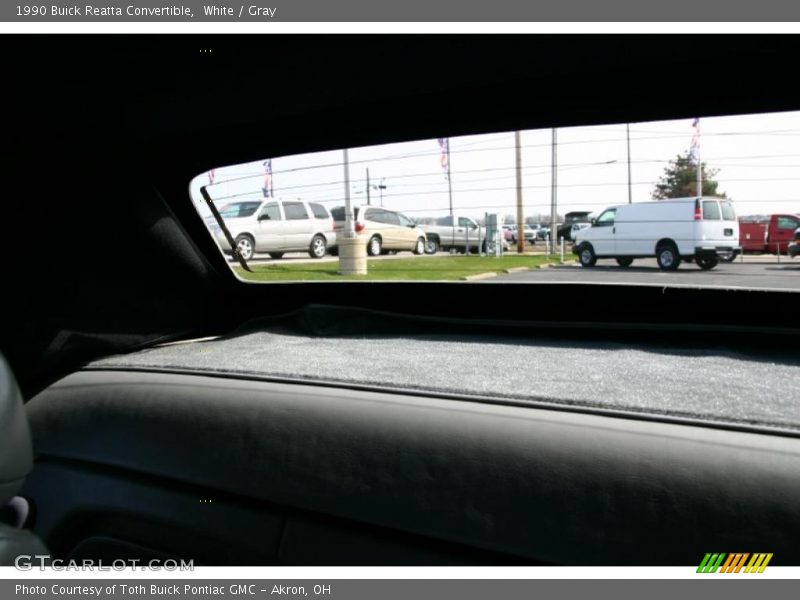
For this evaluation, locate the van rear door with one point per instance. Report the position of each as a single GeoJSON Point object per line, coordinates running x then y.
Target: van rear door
{"type": "Point", "coordinates": [717, 226]}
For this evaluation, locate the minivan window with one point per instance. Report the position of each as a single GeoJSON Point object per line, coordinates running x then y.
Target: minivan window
{"type": "Point", "coordinates": [373, 214]}
{"type": "Point", "coordinates": [378, 215]}
{"type": "Point", "coordinates": [391, 218]}
{"type": "Point", "coordinates": [405, 221]}
{"type": "Point", "coordinates": [271, 212]}
{"type": "Point", "coordinates": [318, 210]}
{"type": "Point", "coordinates": [234, 210]}
{"type": "Point", "coordinates": [711, 210]}
{"type": "Point", "coordinates": [295, 211]}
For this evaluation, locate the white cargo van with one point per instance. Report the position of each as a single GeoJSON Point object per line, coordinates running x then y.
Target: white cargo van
{"type": "Point", "coordinates": [700, 229]}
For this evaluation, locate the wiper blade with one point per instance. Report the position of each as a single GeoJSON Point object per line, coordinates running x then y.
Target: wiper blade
{"type": "Point", "coordinates": [224, 229]}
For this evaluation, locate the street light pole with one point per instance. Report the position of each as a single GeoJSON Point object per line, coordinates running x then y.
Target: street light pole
{"type": "Point", "coordinates": [381, 187]}
{"type": "Point", "coordinates": [520, 216]}
{"type": "Point", "coordinates": [628, 135]}
{"type": "Point", "coordinates": [553, 192]}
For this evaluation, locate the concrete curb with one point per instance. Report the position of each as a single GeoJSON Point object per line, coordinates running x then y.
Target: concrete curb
{"type": "Point", "coordinates": [566, 263]}
{"type": "Point", "coordinates": [479, 276]}
{"type": "Point", "coordinates": [516, 269]}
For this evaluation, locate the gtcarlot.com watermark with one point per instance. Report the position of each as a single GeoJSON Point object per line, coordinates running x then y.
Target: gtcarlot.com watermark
{"type": "Point", "coordinates": [28, 562]}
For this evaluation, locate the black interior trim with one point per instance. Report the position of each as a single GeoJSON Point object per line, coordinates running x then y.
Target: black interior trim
{"type": "Point", "coordinates": [545, 485]}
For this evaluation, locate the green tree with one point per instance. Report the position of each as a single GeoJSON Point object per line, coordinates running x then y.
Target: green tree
{"type": "Point", "coordinates": [680, 180]}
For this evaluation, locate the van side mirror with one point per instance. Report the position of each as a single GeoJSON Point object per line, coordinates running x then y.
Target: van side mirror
{"type": "Point", "coordinates": [263, 217]}
{"type": "Point", "coordinates": [593, 221]}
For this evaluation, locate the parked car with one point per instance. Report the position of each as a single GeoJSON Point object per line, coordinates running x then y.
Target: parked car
{"type": "Point", "coordinates": [543, 232]}
{"type": "Point", "coordinates": [275, 227]}
{"type": "Point", "coordinates": [794, 245]}
{"type": "Point", "coordinates": [385, 230]}
{"type": "Point", "coordinates": [565, 230]}
{"type": "Point", "coordinates": [701, 229]}
{"type": "Point", "coordinates": [576, 227]}
{"type": "Point", "coordinates": [529, 233]}
{"type": "Point", "coordinates": [769, 234]}
{"type": "Point", "coordinates": [458, 232]}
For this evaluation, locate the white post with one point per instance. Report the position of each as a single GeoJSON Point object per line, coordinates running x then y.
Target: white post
{"type": "Point", "coordinates": [352, 251]}
{"type": "Point", "coordinates": [349, 229]}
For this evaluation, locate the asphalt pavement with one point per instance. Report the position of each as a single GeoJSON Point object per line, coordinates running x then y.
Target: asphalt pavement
{"type": "Point", "coordinates": [761, 272]}
{"type": "Point", "coordinates": [754, 272]}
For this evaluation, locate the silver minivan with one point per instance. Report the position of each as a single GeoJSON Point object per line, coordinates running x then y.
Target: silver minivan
{"type": "Point", "coordinates": [275, 227]}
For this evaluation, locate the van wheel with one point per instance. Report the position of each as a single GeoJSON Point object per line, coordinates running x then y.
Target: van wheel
{"type": "Point", "coordinates": [276, 255]}
{"type": "Point", "coordinates": [431, 246]}
{"type": "Point", "coordinates": [587, 256]}
{"type": "Point", "coordinates": [374, 246]}
{"type": "Point", "coordinates": [707, 262]}
{"type": "Point", "coordinates": [667, 257]}
{"type": "Point", "coordinates": [318, 247]}
{"type": "Point", "coordinates": [245, 246]}
{"type": "Point", "coordinates": [624, 262]}
{"type": "Point", "coordinates": [419, 247]}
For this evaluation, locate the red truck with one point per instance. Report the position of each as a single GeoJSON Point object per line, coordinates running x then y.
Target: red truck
{"type": "Point", "coordinates": [769, 234]}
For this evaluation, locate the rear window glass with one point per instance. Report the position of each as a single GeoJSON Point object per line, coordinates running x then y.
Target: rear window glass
{"type": "Point", "coordinates": [711, 210]}
{"type": "Point", "coordinates": [727, 211]}
{"type": "Point", "coordinates": [563, 176]}
{"type": "Point", "coordinates": [338, 213]}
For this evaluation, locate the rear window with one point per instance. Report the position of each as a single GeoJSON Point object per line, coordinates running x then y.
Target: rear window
{"type": "Point", "coordinates": [338, 213]}
{"type": "Point", "coordinates": [551, 178]}
{"type": "Point", "coordinates": [711, 210]}
{"type": "Point", "coordinates": [727, 211]}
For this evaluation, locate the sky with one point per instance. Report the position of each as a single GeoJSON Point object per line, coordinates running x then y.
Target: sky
{"type": "Point", "coordinates": [757, 157]}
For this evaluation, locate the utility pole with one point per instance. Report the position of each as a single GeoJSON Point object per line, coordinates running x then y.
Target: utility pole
{"type": "Point", "coordinates": [699, 174]}
{"type": "Point", "coordinates": [348, 210]}
{"type": "Point", "coordinates": [368, 202]}
{"type": "Point", "coordinates": [553, 194]}
{"type": "Point", "coordinates": [628, 135]}
{"type": "Point", "coordinates": [520, 216]}
{"type": "Point", "coordinates": [450, 193]}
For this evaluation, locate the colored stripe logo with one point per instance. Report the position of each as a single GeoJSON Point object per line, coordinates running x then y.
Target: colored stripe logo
{"type": "Point", "coordinates": [734, 563]}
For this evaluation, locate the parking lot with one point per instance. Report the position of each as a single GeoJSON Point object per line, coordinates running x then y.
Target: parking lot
{"type": "Point", "coordinates": [764, 272]}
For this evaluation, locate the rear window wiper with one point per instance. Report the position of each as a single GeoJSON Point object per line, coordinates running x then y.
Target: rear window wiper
{"type": "Point", "coordinates": [224, 229]}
